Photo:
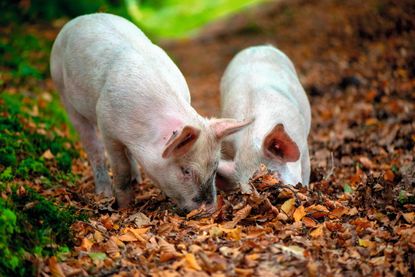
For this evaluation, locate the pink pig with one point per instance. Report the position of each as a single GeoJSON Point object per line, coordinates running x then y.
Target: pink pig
{"type": "Point", "coordinates": [125, 96]}
{"type": "Point", "coordinates": [261, 82]}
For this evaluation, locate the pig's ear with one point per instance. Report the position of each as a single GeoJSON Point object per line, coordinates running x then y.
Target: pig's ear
{"type": "Point", "coordinates": [227, 126]}
{"type": "Point", "coordinates": [279, 146]}
{"type": "Point", "coordinates": [180, 144]}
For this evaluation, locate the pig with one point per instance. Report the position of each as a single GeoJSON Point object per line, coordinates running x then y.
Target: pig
{"type": "Point", "coordinates": [261, 82]}
{"type": "Point", "coordinates": [126, 97]}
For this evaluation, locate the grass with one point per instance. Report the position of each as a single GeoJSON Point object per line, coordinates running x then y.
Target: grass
{"type": "Point", "coordinates": [32, 123]}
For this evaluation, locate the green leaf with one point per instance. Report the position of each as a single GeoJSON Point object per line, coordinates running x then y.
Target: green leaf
{"type": "Point", "coordinates": [7, 174]}
{"type": "Point", "coordinates": [347, 188]}
{"type": "Point", "coordinates": [97, 256]}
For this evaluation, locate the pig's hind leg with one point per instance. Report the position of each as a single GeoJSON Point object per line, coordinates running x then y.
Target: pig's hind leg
{"type": "Point", "coordinates": [94, 148]}
{"type": "Point", "coordinates": [121, 171]}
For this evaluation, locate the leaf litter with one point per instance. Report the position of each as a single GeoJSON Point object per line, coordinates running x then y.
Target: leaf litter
{"type": "Point", "coordinates": [356, 217]}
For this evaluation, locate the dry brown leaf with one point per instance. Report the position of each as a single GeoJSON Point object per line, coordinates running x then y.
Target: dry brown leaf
{"type": "Point", "coordinates": [309, 222]}
{"type": "Point", "coordinates": [191, 262]}
{"type": "Point", "coordinates": [378, 261]}
{"type": "Point", "coordinates": [86, 244]}
{"type": "Point", "coordinates": [299, 213]}
{"type": "Point", "coordinates": [244, 271]}
{"type": "Point", "coordinates": [239, 215]}
{"type": "Point", "coordinates": [288, 206]}
{"type": "Point", "coordinates": [128, 237]}
{"type": "Point", "coordinates": [366, 162]}
{"type": "Point", "coordinates": [389, 175]}
{"type": "Point", "coordinates": [98, 236]}
{"type": "Point", "coordinates": [139, 233]}
{"type": "Point", "coordinates": [48, 155]}
{"type": "Point", "coordinates": [107, 222]}
{"type": "Point", "coordinates": [318, 232]}
{"type": "Point", "coordinates": [234, 233]}
{"type": "Point", "coordinates": [55, 268]}
{"type": "Point", "coordinates": [167, 250]}
{"type": "Point", "coordinates": [139, 219]}
{"type": "Point", "coordinates": [409, 217]}
{"type": "Point", "coordinates": [338, 212]}
{"type": "Point", "coordinates": [366, 243]}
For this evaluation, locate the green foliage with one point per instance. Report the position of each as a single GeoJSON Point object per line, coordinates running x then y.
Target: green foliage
{"type": "Point", "coordinates": [347, 188]}
{"type": "Point", "coordinates": [180, 18]}
{"type": "Point", "coordinates": [21, 148]}
{"type": "Point", "coordinates": [159, 18]}
{"type": "Point", "coordinates": [48, 9]}
{"type": "Point", "coordinates": [30, 224]}
{"type": "Point", "coordinates": [23, 54]}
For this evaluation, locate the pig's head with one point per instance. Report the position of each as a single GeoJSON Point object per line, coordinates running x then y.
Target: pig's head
{"type": "Point", "coordinates": [190, 160]}
{"type": "Point", "coordinates": [277, 150]}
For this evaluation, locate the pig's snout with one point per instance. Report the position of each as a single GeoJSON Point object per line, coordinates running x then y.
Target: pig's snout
{"type": "Point", "coordinates": [206, 195]}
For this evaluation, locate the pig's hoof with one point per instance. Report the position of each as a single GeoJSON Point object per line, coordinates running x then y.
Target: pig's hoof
{"type": "Point", "coordinates": [104, 190]}
{"type": "Point", "coordinates": [124, 199]}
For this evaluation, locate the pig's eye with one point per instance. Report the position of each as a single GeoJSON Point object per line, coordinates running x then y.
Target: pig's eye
{"type": "Point", "coordinates": [186, 171]}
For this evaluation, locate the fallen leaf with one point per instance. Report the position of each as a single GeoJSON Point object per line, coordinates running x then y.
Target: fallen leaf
{"type": "Point", "coordinates": [107, 222]}
{"type": "Point", "coordinates": [98, 236]}
{"type": "Point", "coordinates": [97, 256]}
{"type": "Point", "coordinates": [378, 261]}
{"type": "Point", "coordinates": [215, 232]}
{"type": "Point", "coordinates": [299, 213]}
{"type": "Point", "coordinates": [338, 212]}
{"type": "Point", "coordinates": [48, 155]}
{"type": "Point", "coordinates": [234, 233]}
{"type": "Point", "coordinates": [389, 175]}
{"type": "Point", "coordinates": [167, 250]}
{"type": "Point", "coordinates": [366, 162]}
{"type": "Point", "coordinates": [191, 262]}
{"type": "Point", "coordinates": [239, 215]}
{"type": "Point", "coordinates": [366, 243]}
{"type": "Point", "coordinates": [244, 271]}
{"type": "Point", "coordinates": [55, 268]}
{"type": "Point", "coordinates": [139, 219]}
{"type": "Point", "coordinates": [309, 222]}
{"type": "Point", "coordinates": [86, 244]}
{"type": "Point", "coordinates": [409, 217]}
{"type": "Point", "coordinates": [128, 237]}
{"type": "Point", "coordinates": [288, 206]}
{"type": "Point", "coordinates": [318, 232]}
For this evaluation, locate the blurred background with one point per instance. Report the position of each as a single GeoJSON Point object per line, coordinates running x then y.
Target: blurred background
{"type": "Point", "coordinates": [158, 18]}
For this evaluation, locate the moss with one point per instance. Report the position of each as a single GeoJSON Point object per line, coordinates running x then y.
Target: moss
{"type": "Point", "coordinates": [30, 224]}
{"type": "Point", "coordinates": [21, 147]}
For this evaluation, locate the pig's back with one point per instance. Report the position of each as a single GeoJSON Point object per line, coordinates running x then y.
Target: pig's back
{"type": "Point", "coordinates": [93, 50]}
{"type": "Point", "coordinates": [262, 76]}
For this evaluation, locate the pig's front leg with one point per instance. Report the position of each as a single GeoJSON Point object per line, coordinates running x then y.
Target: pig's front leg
{"type": "Point", "coordinates": [121, 171]}
{"type": "Point", "coordinates": [305, 167]}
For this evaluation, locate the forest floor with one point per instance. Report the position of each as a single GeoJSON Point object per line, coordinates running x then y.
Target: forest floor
{"type": "Point", "coordinates": [356, 60]}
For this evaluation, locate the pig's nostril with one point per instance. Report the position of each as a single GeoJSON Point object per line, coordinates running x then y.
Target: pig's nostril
{"type": "Point", "coordinates": [183, 211]}
{"type": "Point", "coordinates": [198, 199]}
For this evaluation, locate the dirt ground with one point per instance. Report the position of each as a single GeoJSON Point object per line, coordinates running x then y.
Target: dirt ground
{"type": "Point", "coordinates": [356, 60]}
